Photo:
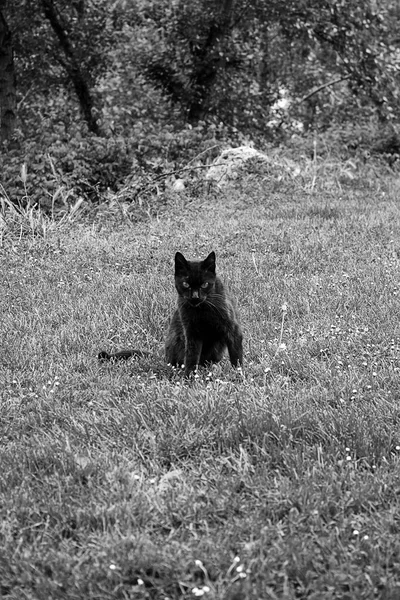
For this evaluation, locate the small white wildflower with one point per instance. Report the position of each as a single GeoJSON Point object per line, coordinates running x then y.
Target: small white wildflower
{"type": "Point", "coordinates": [242, 575]}
{"type": "Point", "coordinates": [200, 591]}
{"type": "Point", "coordinates": [112, 567]}
{"type": "Point", "coordinates": [284, 307]}
{"type": "Point", "coordinates": [24, 173]}
{"type": "Point", "coordinates": [236, 559]}
{"type": "Point", "coordinates": [356, 532]}
{"type": "Point", "coordinates": [140, 581]}
{"type": "Point", "coordinates": [240, 568]}
{"type": "Point", "coordinates": [397, 448]}
{"type": "Point", "coordinates": [178, 185]}
{"type": "Point", "coordinates": [198, 563]}
{"type": "Point", "coordinates": [366, 537]}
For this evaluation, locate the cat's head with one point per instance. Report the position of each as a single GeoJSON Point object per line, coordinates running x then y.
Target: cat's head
{"type": "Point", "coordinates": [194, 280]}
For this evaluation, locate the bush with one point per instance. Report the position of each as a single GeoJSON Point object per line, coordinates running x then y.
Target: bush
{"type": "Point", "coordinates": [63, 155]}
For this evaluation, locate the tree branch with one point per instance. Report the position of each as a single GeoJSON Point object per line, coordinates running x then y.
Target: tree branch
{"type": "Point", "coordinates": [322, 87]}
{"type": "Point", "coordinates": [72, 66]}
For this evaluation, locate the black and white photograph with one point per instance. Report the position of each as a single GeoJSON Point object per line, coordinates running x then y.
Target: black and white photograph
{"type": "Point", "coordinates": [199, 292]}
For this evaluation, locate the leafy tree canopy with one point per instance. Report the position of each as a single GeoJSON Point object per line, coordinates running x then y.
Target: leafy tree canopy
{"type": "Point", "coordinates": [158, 77]}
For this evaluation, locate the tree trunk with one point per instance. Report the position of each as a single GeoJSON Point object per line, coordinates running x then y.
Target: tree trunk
{"type": "Point", "coordinates": [7, 82]}
{"type": "Point", "coordinates": [72, 66]}
{"type": "Point", "coordinates": [208, 63]}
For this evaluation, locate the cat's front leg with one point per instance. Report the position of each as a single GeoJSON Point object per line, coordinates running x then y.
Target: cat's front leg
{"type": "Point", "coordinates": [192, 355]}
{"type": "Point", "coordinates": [235, 348]}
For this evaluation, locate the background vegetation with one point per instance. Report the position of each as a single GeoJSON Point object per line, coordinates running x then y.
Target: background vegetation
{"type": "Point", "coordinates": [100, 95]}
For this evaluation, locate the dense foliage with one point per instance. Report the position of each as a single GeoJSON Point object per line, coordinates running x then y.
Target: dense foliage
{"type": "Point", "coordinates": [111, 89]}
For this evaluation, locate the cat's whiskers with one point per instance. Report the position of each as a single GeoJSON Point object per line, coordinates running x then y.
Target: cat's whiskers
{"type": "Point", "coordinates": [218, 299]}
{"type": "Point", "coordinates": [215, 306]}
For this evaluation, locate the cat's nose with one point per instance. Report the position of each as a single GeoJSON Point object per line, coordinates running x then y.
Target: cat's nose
{"type": "Point", "coordinates": [195, 294]}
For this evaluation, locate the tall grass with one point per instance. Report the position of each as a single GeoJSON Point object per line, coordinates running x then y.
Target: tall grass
{"type": "Point", "coordinates": [126, 481]}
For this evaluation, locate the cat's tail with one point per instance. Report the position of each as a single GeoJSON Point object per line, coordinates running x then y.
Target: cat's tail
{"type": "Point", "coordinates": [122, 355]}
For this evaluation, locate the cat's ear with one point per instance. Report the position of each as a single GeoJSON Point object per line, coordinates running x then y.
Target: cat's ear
{"type": "Point", "coordinates": [209, 263]}
{"type": "Point", "coordinates": [180, 263]}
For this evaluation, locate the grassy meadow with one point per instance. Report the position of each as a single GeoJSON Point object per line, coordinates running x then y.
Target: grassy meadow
{"type": "Point", "coordinates": [128, 482]}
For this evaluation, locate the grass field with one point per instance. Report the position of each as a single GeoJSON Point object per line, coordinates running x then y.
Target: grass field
{"type": "Point", "coordinates": [127, 482]}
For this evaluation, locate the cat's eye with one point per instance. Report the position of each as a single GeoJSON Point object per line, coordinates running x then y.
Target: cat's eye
{"type": "Point", "coordinates": [205, 285]}
{"type": "Point", "coordinates": [185, 284]}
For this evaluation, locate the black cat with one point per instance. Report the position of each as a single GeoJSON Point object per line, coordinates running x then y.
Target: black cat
{"type": "Point", "coordinates": [205, 322]}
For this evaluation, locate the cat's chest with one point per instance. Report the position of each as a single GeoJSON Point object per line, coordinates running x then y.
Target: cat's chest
{"type": "Point", "coordinates": [203, 322]}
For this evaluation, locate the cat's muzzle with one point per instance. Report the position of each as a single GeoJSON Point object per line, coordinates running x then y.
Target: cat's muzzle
{"type": "Point", "coordinates": [195, 301]}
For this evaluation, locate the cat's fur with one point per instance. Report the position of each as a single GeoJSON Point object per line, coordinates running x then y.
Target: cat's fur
{"type": "Point", "coordinates": [122, 355]}
{"type": "Point", "coordinates": [205, 322]}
